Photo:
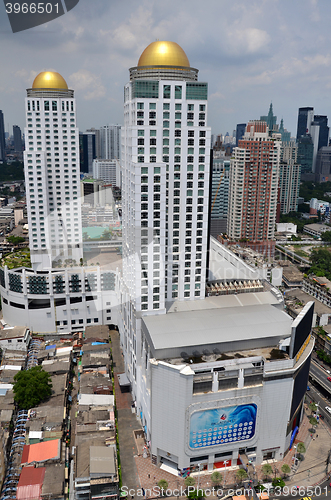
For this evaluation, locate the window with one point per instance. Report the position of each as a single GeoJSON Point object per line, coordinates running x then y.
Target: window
{"type": "Point", "coordinates": [178, 91]}
{"type": "Point", "coordinates": [166, 92]}
{"type": "Point", "coordinates": [141, 133]}
{"type": "Point", "coordinates": [140, 105]}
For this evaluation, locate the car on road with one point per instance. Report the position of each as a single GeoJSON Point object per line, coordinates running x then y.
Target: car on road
{"type": "Point", "coordinates": [328, 409]}
{"type": "Point", "coordinates": [329, 379]}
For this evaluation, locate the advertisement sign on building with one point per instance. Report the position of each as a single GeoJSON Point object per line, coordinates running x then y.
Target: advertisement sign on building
{"type": "Point", "coordinates": [222, 425]}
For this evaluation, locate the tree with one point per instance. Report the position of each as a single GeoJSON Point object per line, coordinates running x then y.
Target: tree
{"type": "Point", "coordinates": [106, 235]}
{"type": "Point", "coordinates": [313, 407]}
{"type": "Point", "coordinates": [301, 449]}
{"type": "Point", "coordinates": [241, 474]}
{"type": "Point", "coordinates": [196, 495]}
{"type": "Point", "coordinates": [189, 481]}
{"type": "Point", "coordinates": [216, 478]}
{"type": "Point", "coordinates": [286, 469]}
{"type": "Point", "coordinates": [267, 469]}
{"type": "Point", "coordinates": [31, 387]}
{"type": "Point", "coordinates": [278, 482]}
{"type": "Point", "coordinates": [15, 240]}
{"type": "Point", "coordinates": [326, 236]}
{"type": "Point", "coordinates": [163, 485]}
{"type": "Point", "coordinates": [313, 421]}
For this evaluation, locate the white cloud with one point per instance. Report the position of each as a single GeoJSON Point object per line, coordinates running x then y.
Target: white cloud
{"type": "Point", "coordinates": [247, 40]}
{"type": "Point", "coordinates": [90, 84]}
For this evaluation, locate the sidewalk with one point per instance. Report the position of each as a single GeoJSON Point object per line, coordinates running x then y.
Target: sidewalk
{"type": "Point", "coordinates": [127, 421]}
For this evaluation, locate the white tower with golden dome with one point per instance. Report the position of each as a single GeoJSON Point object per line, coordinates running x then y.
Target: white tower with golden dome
{"type": "Point", "coordinates": [51, 165]}
{"type": "Point", "coordinates": [165, 190]}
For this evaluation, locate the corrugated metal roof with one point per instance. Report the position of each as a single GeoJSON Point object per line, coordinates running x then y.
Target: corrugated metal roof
{"type": "Point", "coordinates": [30, 483]}
{"type": "Point", "coordinates": [40, 452]}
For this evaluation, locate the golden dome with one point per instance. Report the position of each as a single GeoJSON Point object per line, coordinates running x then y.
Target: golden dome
{"type": "Point", "coordinates": [164, 54]}
{"type": "Point", "coordinates": [49, 80]}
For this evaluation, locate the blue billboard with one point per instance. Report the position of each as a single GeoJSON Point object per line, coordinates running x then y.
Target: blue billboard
{"type": "Point", "coordinates": [222, 425]}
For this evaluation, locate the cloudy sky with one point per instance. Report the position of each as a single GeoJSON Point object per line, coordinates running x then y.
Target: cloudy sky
{"type": "Point", "coordinates": [250, 52]}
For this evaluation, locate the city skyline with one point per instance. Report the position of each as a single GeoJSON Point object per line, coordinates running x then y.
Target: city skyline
{"type": "Point", "coordinates": [250, 55]}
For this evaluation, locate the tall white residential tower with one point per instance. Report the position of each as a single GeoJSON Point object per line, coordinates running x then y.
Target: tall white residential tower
{"type": "Point", "coordinates": [166, 150]}
{"type": "Point", "coordinates": [51, 165]}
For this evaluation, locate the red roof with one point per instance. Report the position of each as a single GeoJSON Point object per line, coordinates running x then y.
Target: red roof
{"type": "Point", "coordinates": [30, 483]}
{"type": "Point", "coordinates": [40, 452]}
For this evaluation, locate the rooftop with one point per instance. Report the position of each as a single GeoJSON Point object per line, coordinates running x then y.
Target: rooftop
{"type": "Point", "coordinates": [40, 452]}
{"type": "Point", "coordinates": [298, 295]}
{"type": "Point", "coordinates": [251, 324]}
{"type": "Point", "coordinates": [13, 332]}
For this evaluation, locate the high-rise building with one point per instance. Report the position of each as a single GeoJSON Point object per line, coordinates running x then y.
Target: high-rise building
{"type": "Point", "coordinates": [17, 134]}
{"type": "Point", "coordinates": [107, 170]}
{"type": "Point", "coordinates": [316, 127]}
{"type": "Point", "coordinates": [219, 196]}
{"type": "Point", "coordinates": [305, 118]}
{"type": "Point", "coordinates": [320, 135]}
{"type": "Point", "coordinates": [323, 165]}
{"type": "Point", "coordinates": [270, 119]}
{"type": "Point", "coordinates": [87, 150]}
{"type": "Point", "coordinates": [51, 166]}
{"type": "Point", "coordinates": [240, 131]}
{"type": "Point", "coordinates": [286, 135]}
{"type": "Point", "coordinates": [254, 174]}
{"type": "Point", "coordinates": [165, 181]}
{"type": "Point", "coordinates": [110, 142]}
{"type": "Point", "coordinates": [306, 154]}
{"type": "Point", "coordinates": [289, 178]}
{"type": "Point", "coordinates": [2, 138]}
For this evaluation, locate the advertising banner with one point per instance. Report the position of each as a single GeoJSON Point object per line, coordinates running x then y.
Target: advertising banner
{"type": "Point", "coordinates": [219, 426]}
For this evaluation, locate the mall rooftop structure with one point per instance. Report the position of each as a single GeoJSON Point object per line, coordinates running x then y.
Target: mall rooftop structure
{"type": "Point", "coordinates": [222, 372]}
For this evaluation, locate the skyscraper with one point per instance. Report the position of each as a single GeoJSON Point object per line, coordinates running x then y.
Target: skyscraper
{"type": "Point", "coordinates": [17, 139]}
{"type": "Point", "coordinates": [219, 196]}
{"type": "Point", "coordinates": [2, 138]}
{"type": "Point", "coordinates": [165, 179]}
{"type": "Point", "coordinates": [254, 173]}
{"type": "Point", "coordinates": [240, 131]}
{"type": "Point", "coordinates": [289, 178]}
{"type": "Point", "coordinates": [305, 117]}
{"type": "Point", "coordinates": [87, 150]}
{"type": "Point", "coordinates": [270, 119]}
{"type": "Point", "coordinates": [51, 165]}
{"type": "Point", "coordinates": [110, 142]}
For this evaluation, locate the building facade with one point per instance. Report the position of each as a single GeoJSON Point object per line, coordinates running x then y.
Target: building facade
{"type": "Point", "coordinates": [219, 196]}
{"type": "Point", "coordinates": [59, 300]}
{"type": "Point", "coordinates": [289, 178]}
{"type": "Point", "coordinates": [51, 168]}
{"type": "Point", "coordinates": [17, 135]}
{"type": "Point", "coordinates": [2, 138]}
{"type": "Point", "coordinates": [107, 170]}
{"type": "Point", "coordinates": [87, 150]}
{"type": "Point", "coordinates": [254, 174]}
{"type": "Point", "coordinates": [110, 142]}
